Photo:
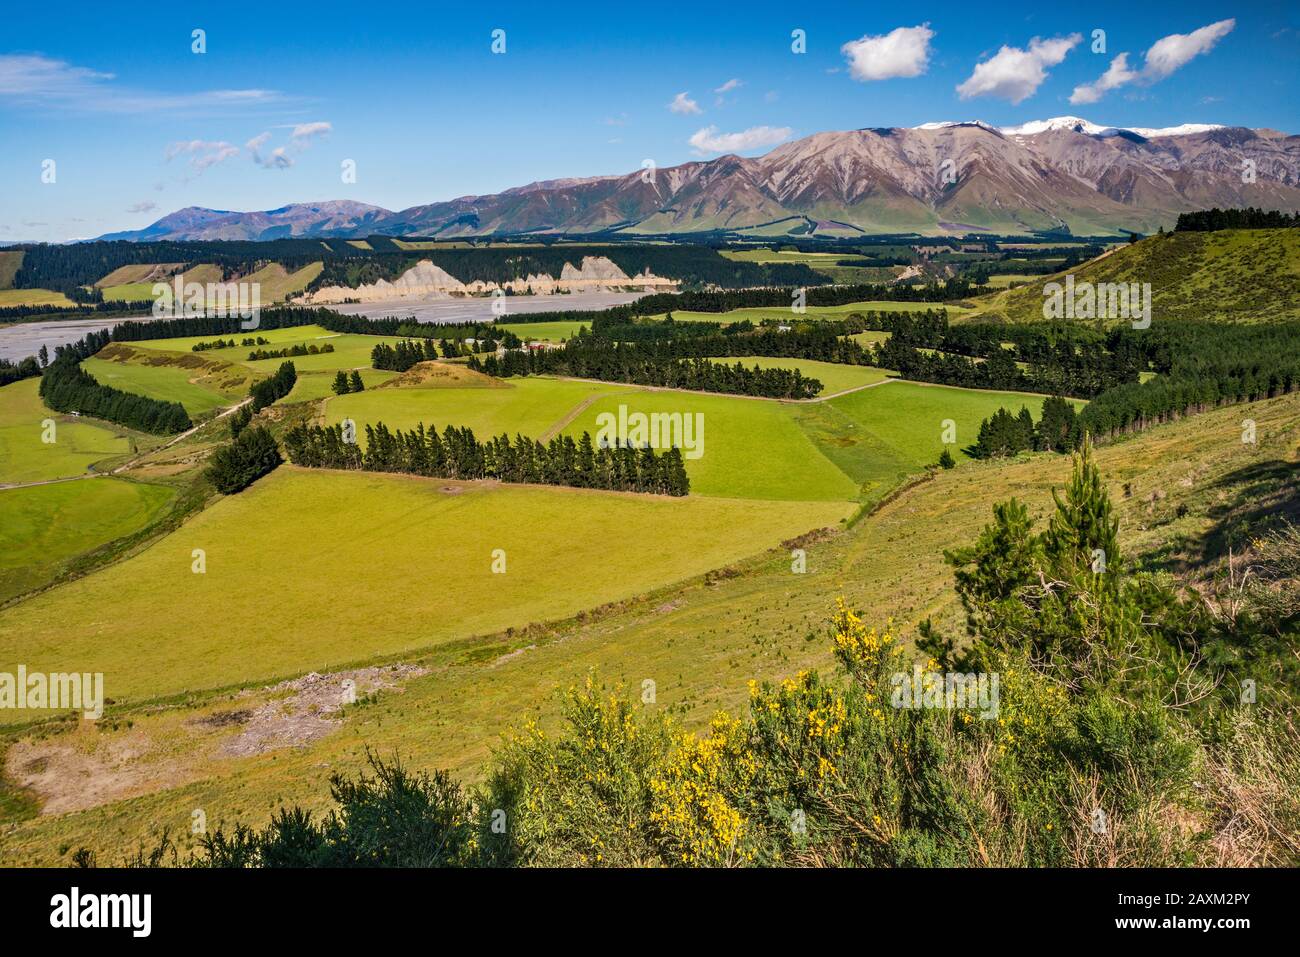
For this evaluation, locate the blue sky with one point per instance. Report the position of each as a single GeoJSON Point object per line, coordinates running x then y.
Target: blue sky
{"type": "Point", "coordinates": [139, 125]}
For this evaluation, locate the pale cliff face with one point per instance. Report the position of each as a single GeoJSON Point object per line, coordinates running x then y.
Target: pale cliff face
{"type": "Point", "coordinates": [424, 280]}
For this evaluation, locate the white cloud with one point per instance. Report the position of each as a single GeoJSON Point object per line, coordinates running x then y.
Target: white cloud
{"type": "Point", "coordinates": [709, 140]}
{"type": "Point", "coordinates": [682, 103]}
{"type": "Point", "coordinates": [202, 153]}
{"type": "Point", "coordinates": [732, 84]}
{"type": "Point", "coordinates": [1015, 74]}
{"type": "Point", "coordinates": [33, 79]}
{"type": "Point", "coordinates": [35, 75]}
{"type": "Point", "coordinates": [278, 158]}
{"type": "Point", "coordinates": [299, 140]}
{"type": "Point", "coordinates": [899, 53]}
{"type": "Point", "coordinates": [148, 206]}
{"type": "Point", "coordinates": [1169, 53]}
{"type": "Point", "coordinates": [303, 133]}
{"type": "Point", "coordinates": [1116, 75]}
{"type": "Point", "coordinates": [1165, 56]}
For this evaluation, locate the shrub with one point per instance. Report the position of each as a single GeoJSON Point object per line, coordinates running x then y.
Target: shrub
{"type": "Point", "coordinates": [252, 454]}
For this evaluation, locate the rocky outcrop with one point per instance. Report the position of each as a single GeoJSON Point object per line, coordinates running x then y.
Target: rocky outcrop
{"type": "Point", "coordinates": [424, 280]}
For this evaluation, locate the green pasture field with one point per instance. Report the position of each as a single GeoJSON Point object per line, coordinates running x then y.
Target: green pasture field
{"type": "Point", "coordinates": [314, 569]}
{"type": "Point", "coordinates": [910, 416]}
{"type": "Point", "coordinates": [532, 406]}
{"type": "Point", "coordinates": [350, 351]}
{"type": "Point", "coordinates": [320, 385]}
{"type": "Point", "coordinates": [33, 297]}
{"type": "Point", "coordinates": [767, 255]}
{"type": "Point", "coordinates": [1004, 280]}
{"type": "Point", "coordinates": [826, 263]}
{"type": "Point", "coordinates": [168, 383]}
{"type": "Point", "coordinates": [79, 443]}
{"type": "Point", "coordinates": [44, 526]}
{"type": "Point", "coordinates": [753, 448]}
{"type": "Point", "coordinates": [870, 338]}
{"type": "Point", "coordinates": [545, 331]}
{"type": "Point", "coordinates": [279, 338]}
{"type": "Point", "coordinates": [835, 376]}
{"type": "Point", "coordinates": [130, 291]}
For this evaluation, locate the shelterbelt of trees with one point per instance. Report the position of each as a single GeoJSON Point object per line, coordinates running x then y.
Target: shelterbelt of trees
{"type": "Point", "coordinates": [95, 309]}
{"type": "Point", "coordinates": [725, 300]}
{"type": "Point", "coordinates": [457, 454]}
{"type": "Point", "coordinates": [1201, 366]}
{"type": "Point", "coordinates": [66, 387]}
{"type": "Point", "coordinates": [1061, 358]}
{"type": "Point", "coordinates": [607, 361]}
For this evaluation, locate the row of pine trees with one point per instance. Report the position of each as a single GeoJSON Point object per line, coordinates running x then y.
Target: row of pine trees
{"type": "Point", "coordinates": [270, 390]}
{"type": "Point", "coordinates": [614, 362]}
{"type": "Point", "coordinates": [66, 387]}
{"type": "Point", "coordinates": [456, 453]}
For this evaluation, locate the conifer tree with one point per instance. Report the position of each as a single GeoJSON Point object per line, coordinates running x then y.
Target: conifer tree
{"type": "Point", "coordinates": [1084, 531]}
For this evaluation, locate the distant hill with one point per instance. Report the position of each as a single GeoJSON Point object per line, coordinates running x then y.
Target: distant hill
{"type": "Point", "coordinates": [338, 217]}
{"type": "Point", "coordinates": [1062, 175]}
{"type": "Point", "coordinates": [1234, 275]}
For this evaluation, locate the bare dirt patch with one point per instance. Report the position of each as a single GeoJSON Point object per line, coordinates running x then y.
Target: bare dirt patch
{"type": "Point", "coordinates": [87, 766]}
{"type": "Point", "coordinates": [68, 775]}
{"type": "Point", "coordinates": [310, 708]}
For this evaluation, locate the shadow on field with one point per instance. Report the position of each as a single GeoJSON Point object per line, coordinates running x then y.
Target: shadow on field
{"type": "Point", "coordinates": [1243, 503]}
{"type": "Point", "coordinates": [1263, 495]}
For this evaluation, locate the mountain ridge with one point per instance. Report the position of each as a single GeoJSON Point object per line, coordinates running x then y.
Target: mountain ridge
{"type": "Point", "coordinates": [1063, 174]}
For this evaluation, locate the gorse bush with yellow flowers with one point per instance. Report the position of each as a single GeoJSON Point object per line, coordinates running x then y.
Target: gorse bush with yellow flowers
{"type": "Point", "coordinates": [1115, 735]}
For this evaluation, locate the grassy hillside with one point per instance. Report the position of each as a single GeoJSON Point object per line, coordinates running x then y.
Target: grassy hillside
{"type": "Point", "coordinates": [139, 273]}
{"type": "Point", "coordinates": [277, 284]}
{"type": "Point", "coordinates": [1178, 489]}
{"type": "Point", "coordinates": [33, 297]}
{"type": "Point", "coordinates": [141, 289]}
{"type": "Point", "coordinates": [395, 564]}
{"type": "Point", "coordinates": [197, 380]}
{"type": "Point", "coordinates": [1235, 275]}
